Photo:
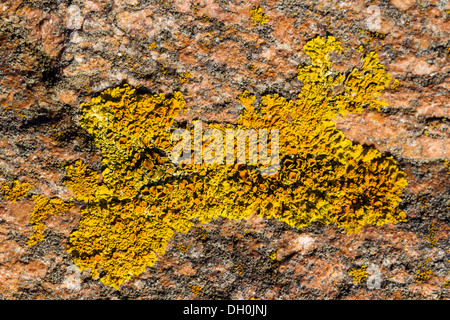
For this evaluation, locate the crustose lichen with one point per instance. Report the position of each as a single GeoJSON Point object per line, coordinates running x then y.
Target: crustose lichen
{"type": "Point", "coordinates": [143, 198]}
{"type": "Point", "coordinates": [359, 275]}
{"type": "Point", "coordinates": [17, 191]}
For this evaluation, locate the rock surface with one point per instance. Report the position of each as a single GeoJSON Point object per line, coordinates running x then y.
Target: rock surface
{"type": "Point", "coordinates": [58, 54]}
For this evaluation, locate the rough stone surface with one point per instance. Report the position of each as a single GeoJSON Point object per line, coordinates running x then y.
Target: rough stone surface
{"type": "Point", "coordinates": [57, 54]}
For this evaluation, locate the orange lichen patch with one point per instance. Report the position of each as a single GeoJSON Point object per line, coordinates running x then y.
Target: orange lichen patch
{"type": "Point", "coordinates": [273, 256]}
{"type": "Point", "coordinates": [394, 86]}
{"type": "Point", "coordinates": [104, 241]}
{"type": "Point", "coordinates": [183, 248]}
{"type": "Point", "coordinates": [17, 192]}
{"type": "Point", "coordinates": [431, 236]}
{"type": "Point", "coordinates": [196, 289]}
{"type": "Point", "coordinates": [423, 272]}
{"type": "Point", "coordinates": [144, 198]}
{"type": "Point", "coordinates": [43, 208]}
{"type": "Point", "coordinates": [446, 284]}
{"type": "Point", "coordinates": [118, 232]}
{"type": "Point", "coordinates": [359, 275]}
{"type": "Point", "coordinates": [258, 17]}
{"type": "Point", "coordinates": [185, 78]}
{"type": "Point", "coordinates": [238, 269]}
{"type": "Point", "coordinates": [320, 155]}
{"type": "Point", "coordinates": [82, 181]}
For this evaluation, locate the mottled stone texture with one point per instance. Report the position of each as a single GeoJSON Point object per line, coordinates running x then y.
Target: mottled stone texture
{"type": "Point", "coordinates": [57, 54]}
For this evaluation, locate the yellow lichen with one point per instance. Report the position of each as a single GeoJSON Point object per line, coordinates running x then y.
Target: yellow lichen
{"type": "Point", "coordinates": [423, 202]}
{"type": "Point", "coordinates": [446, 284]}
{"type": "Point", "coordinates": [185, 78]}
{"type": "Point", "coordinates": [42, 209]}
{"type": "Point", "coordinates": [359, 275]}
{"type": "Point", "coordinates": [201, 234]}
{"type": "Point", "coordinates": [238, 269]}
{"type": "Point", "coordinates": [17, 192]}
{"type": "Point", "coordinates": [330, 179]}
{"type": "Point", "coordinates": [183, 248]}
{"type": "Point", "coordinates": [423, 272]}
{"type": "Point", "coordinates": [273, 256]}
{"type": "Point", "coordinates": [447, 163]}
{"type": "Point", "coordinates": [196, 289]}
{"type": "Point", "coordinates": [142, 198]}
{"type": "Point", "coordinates": [82, 181]}
{"type": "Point", "coordinates": [431, 236]}
{"type": "Point", "coordinates": [394, 86]}
{"type": "Point", "coordinates": [258, 17]}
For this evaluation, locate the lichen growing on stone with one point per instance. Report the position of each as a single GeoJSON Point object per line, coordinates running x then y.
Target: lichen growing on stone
{"type": "Point", "coordinates": [259, 18]}
{"type": "Point", "coordinates": [359, 275]}
{"type": "Point", "coordinates": [423, 272]}
{"type": "Point", "coordinates": [446, 284]}
{"type": "Point", "coordinates": [82, 181]}
{"type": "Point", "coordinates": [17, 191]}
{"type": "Point", "coordinates": [130, 215]}
{"type": "Point", "coordinates": [323, 176]}
{"type": "Point", "coordinates": [42, 209]}
{"type": "Point", "coordinates": [142, 198]}
{"type": "Point", "coordinates": [185, 78]}
{"type": "Point", "coordinates": [431, 236]}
